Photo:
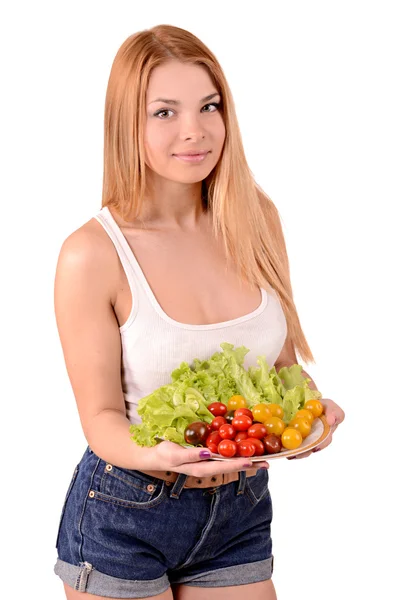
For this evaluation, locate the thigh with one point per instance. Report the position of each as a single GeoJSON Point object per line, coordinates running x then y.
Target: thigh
{"type": "Point", "coordinates": [72, 594]}
{"type": "Point", "coordinates": [262, 590]}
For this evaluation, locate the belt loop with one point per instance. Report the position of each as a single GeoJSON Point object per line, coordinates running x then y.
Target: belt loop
{"type": "Point", "coordinates": [178, 485]}
{"type": "Point", "coordinates": [242, 482]}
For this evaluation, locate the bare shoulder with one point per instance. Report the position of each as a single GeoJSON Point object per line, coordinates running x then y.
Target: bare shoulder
{"type": "Point", "coordinates": [89, 251]}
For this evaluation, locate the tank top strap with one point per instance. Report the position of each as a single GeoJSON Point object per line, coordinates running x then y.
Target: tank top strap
{"type": "Point", "coordinates": [129, 264]}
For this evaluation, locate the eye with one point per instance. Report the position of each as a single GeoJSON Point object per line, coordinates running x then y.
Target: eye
{"type": "Point", "coordinates": [166, 110]}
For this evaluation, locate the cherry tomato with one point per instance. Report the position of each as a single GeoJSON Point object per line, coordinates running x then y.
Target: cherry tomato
{"type": "Point", "coordinates": [209, 428]}
{"type": "Point", "coordinates": [275, 425]}
{"type": "Point", "coordinates": [272, 443]}
{"type": "Point", "coordinates": [229, 416]}
{"type": "Point", "coordinates": [316, 407]}
{"type": "Point", "coordinates": [261, 412]}
{"type": "Point", "coordinates": [217, 422]}
{"type": "Point", "coordinates": [239, 437]}
{"type": "Point", "coordinates": [304, 413]}
{"type": "Point", "coordinates": [217, 409]}
{"type": "Point", "coordinates": [242, 423]}
{"type": "Point", "coordinates": [213, 438]}
{"type": "Point", "coordinates": [227, 432]}
{"type": "Point", "coordinates": [246, 448]}
{"type": "Point", "coordinates": [303, 425]}
{"type": "Point", "coordinates": [212, 447]}
{"type": "Point", "coordinates": [260, 450]}
{"type": "Point", "coordinates": [243, 411]}
{"type": "Point", "coordinates": [235, 402]}
{"type": "Point", "coordinates": [196, 433]}
{"type": "Point", "coordinates": [257, 430]}
{"type": "Point", "coordinates": [291, 438]}
{"type": "Point", "coordinates": [276, 410]}
{"type": "Point", "coordinates": [227, 448]}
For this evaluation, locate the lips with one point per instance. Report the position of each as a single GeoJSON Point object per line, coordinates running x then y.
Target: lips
{"type": "Point", "coordinates": [193, 153]}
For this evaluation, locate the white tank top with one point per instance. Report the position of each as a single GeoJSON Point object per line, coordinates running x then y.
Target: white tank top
{"type": "Point", "coordinates": [153, 344]}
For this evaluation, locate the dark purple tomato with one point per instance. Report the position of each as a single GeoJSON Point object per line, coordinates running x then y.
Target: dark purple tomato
{"type": "Point", "coordinates": [196, 433]}
{"type": "Point", "coordinates": [229, 416]}
{"type": "Point", "coordinates": [272, 443]}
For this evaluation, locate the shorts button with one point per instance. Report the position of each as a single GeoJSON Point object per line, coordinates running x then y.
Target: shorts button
{"type": "Point", "coordinates": [150, 488]}
{"type": "Point", "coordinates": [91, 494]}
{"type": "Point", "coordinates": [108, 467]}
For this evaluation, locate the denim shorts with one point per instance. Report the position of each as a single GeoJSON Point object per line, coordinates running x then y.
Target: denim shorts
{"type": "Point", "coordinates": [124, 534]}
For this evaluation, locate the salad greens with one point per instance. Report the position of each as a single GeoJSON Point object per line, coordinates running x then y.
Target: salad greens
{"type": "Point", "coordinates": [168, 410]}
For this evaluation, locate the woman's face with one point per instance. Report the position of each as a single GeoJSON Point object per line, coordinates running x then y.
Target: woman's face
{"type": "Point", "coordinates": [190, 123]}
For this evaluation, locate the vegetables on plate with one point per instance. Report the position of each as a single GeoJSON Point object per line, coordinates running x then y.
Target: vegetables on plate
{"type": "Point", "coordinates": [216, 388]}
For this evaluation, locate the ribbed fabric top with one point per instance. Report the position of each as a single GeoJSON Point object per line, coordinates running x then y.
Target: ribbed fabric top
{"type": "Point", "coordinates": [153, 344]}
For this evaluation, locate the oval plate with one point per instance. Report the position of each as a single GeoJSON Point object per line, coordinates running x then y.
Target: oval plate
{"type": "Point", "coordinates": [319, 432]}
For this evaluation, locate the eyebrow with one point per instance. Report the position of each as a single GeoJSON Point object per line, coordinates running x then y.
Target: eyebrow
{"type": "Point", "coordinates": [176, 102]}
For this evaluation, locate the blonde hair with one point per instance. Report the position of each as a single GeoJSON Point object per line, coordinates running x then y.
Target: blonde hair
{"type": "Point", "coordinates": [243, 215]}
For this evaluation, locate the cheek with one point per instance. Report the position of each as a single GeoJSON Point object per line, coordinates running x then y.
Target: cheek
{"type": "Point", "coordinates": [219, 133]}
{"type": "Point", "coordinates": [156, 144]}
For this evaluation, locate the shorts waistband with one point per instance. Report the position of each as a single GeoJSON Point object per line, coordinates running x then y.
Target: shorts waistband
{"type": "Point", "coordinates": [200, 482]}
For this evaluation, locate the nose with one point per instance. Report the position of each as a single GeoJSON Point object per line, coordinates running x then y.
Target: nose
{"type": "Point", "coordinates": [191, 128]}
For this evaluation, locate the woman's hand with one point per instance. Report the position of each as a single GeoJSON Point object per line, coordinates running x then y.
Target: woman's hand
{"type": "Point", "coordinates": [334, 416]}
{"type": "Point", "coordinates": [169, 456]}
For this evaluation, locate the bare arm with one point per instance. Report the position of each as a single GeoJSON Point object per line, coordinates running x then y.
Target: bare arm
{"type": "Point", "coordinates": [90, 339]}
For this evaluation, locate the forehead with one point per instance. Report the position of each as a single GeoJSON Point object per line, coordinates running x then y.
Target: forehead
{"type": "Point", "coordinates": [179, 81]}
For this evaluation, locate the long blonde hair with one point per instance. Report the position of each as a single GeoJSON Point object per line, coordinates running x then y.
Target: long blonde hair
{"type": "Point", "coordinates": [243, 215]}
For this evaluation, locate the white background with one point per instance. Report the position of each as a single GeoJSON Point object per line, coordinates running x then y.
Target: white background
{"type": "Point", "coordinates": [316, 91]}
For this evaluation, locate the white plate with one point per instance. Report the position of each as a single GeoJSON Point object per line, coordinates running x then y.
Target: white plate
{"type": "Point", "coordinates": [319, 432]}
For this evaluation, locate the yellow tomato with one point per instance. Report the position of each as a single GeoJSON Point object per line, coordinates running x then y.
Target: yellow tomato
{"type": "Point", "coordinates": [276, 410]}
{"type": "Point", "coordinates": [303, 425]}
{"type": "Point", "coordinates": [235, 402]}
{"type": "Point", "coordinates": [315, 406]}
{"type": "Point", "coordinates": [261, 412]}
{"type": "Point", "coordinates": [275, 425]}
{"type": "Point", "coordinates": [291, 438]}
{"type": "Point", "coordinates": [305, 413]}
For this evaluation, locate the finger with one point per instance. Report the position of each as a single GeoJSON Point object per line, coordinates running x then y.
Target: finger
{"type": "Point", "coordinates": [324, 444]}
{"type": "Point", "coordinates": [302, 455]}
{"type": "Point", "coordinates": [216, 467]}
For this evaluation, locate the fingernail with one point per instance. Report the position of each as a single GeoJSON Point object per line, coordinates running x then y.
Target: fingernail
{"type": "Point", "coordinates": [316, 449]}
{"type": "Point", "coordinates": [205, 454]}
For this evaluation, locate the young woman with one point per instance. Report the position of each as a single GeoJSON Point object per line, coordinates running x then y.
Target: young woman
{"type": "Point", "coordinates": [186, 252]}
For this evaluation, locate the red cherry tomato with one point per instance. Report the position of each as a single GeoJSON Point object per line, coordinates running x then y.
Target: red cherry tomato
{"type": "Point", "coordinates": [212, 447]}
{"type": "Point", "coordinates": [209, 428]}
{"type": "Point", "coordinates": [242, 435]}
{"type": "Point", "coordinates": [227, 432]}
{"type": "Point", "coordinates": [258, 430]}
{"type": "Point", "coordinates": [227, 448]}
{"type": "Point", "coordinates": [242, 423]}
{"type": "Point", "coordinates": [217, 422]}
{"type": "Point", "coordinates": [217, 409]}
{"type": "Point", "coordinates": [239, 412]}
{"type": "Point", "coordinates": [214, 439]}
{"type": "Point", "coordinates": [246, 448]}
{"type": "Point", "coordinates": [260, 450]}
